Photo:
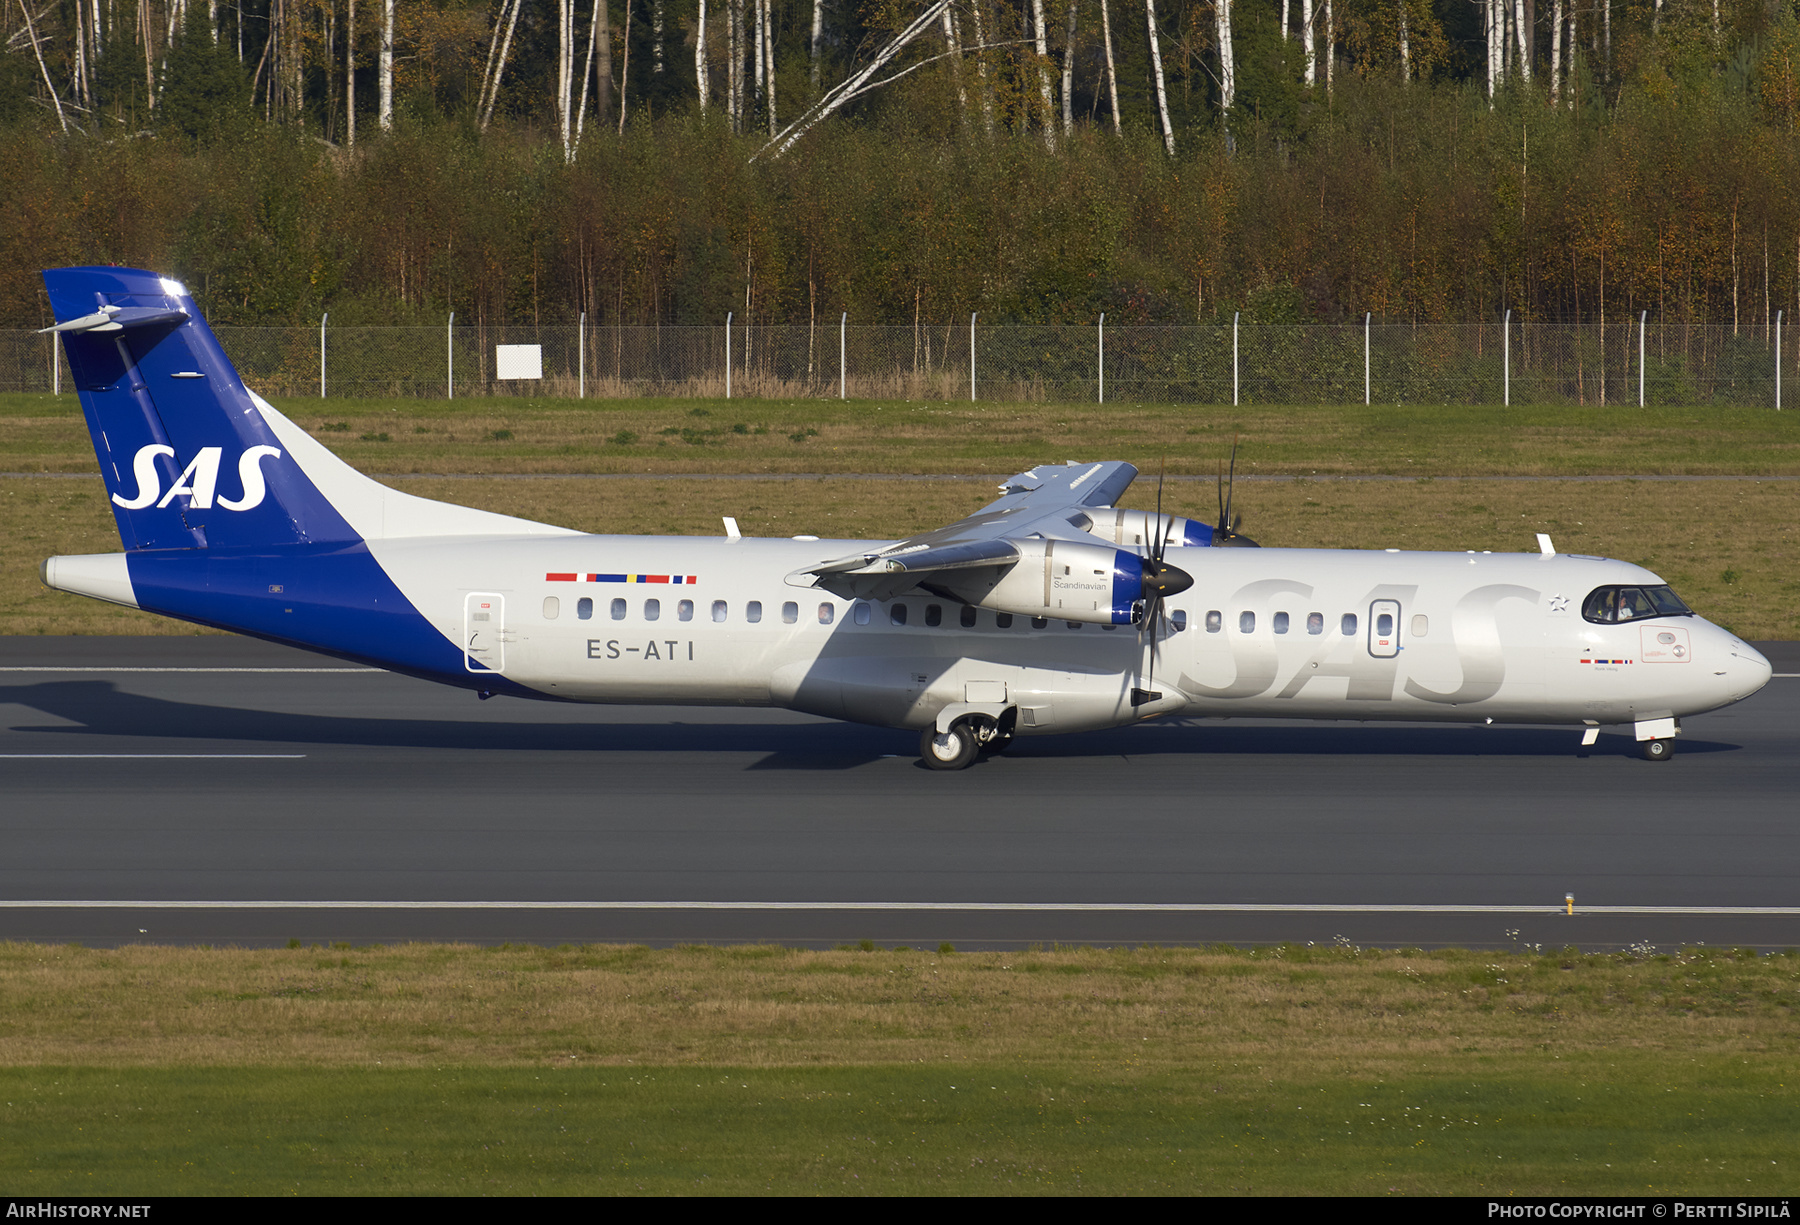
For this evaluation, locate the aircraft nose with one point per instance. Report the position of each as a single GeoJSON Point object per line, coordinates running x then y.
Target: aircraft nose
{"type": "Point", "coordinates": [1749, 668]}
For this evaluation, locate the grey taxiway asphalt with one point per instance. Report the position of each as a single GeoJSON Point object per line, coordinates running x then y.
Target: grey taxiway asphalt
{"type": "Point", "coordinates": [225, 791]}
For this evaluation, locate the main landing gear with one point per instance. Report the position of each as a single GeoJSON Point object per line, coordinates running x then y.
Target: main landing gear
{"type": "Point", "coordinates": [967, 739]}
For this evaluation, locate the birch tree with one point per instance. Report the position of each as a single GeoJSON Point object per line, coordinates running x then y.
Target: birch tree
{"type": "Point", "coordinates": [1227, 58]}
{"type": "Point", "coordinates": [385, 70]}
{"type": "Point", "coordinates": [1112, 73]}
{"type": "Point", "coordinates": [1043, 74]}
{"type": "Point", "coordinates": [1068, 75]}
{"type": "Point", "coordinates": [1156, 68]}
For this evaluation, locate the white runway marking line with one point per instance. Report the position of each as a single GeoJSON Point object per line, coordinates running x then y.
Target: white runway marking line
{"type": "Point", "coordinates": [370, 671]}
{"type": "Point", "coordinates": [1072, 907]}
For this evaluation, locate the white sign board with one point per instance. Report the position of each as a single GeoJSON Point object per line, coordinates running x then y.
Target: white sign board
{"type": "Point", "coordinates": [518, 361]}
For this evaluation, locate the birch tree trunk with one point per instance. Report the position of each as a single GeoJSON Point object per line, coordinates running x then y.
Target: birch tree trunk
{"type": "Point", "coordinates": [385, 70]}
{"type": "Point", "coordinates": [1045, 113]}
{"type": "Point", "coordinates": [595, 21]}
{"type": "Point", "coordinates": [1330, 46]}
{"type": "Point", "coordinates": [983, 84]}
{"type": "Point", "coordinates": [701, 84]}
{"type": "Point", "coordinates": [1162, 94]}
{"type": "Point", "coordinates": [1405, 50]}
{"type": "Point", "coordinates": [818, 38]}
{"type": "Point", "coordinates": [657, 24]}
{"type": "Point", "coordinates": [734, 85]}
{"type": "Point", "coordinates": [1227, 57]}
{"type": "Point", "coordinates": [1112, 74]}
{"type": "Point", "coordinates": [603, 81]}
{"type": "Point", "coordinates": [952, 48]}
{"type": "Point", "coordinates": [1068, 74]}
{"type": "Point", "coordinates": [1522, 36]}
{"type": "Point", "coordinates": [1556, 37]}
{"type": "Point", "coordinates": [768, 31]}
{"type": "Point", "coordinates": [349, 77]}
{"type": "Point", "coordinates": [1307, 45]}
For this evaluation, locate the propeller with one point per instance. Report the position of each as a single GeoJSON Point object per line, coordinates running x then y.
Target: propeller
{"type": "Point", "coordinates": [1161, 581]}
{"type": "Point", "coordinates": [1225, 533]}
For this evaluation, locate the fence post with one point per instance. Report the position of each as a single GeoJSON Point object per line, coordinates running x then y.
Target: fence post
{"type": "Point", "coordinates": [1367, 316]}
{"type": "Point", "coordinates": [322, 319]}
{"type": "Point", "coordinates": [972, 315]}
{"type": "Point", "coordinates": [1777, 361]}
{"type": "Point", "coordinates": [581, 360]}
{"type": "Point", "coordinates": [56, 368]}
{"type": "Point", "coordinates": [1506, 351]}
{"type": "Point", "coordinates": [450, 358]}
{"type": "Point", "coordinates": [728, 355]}
{"type": "Point", "coordinates": [1102, 399]}
{"type": "Point", "coordinates": [843, 365]}
{"type": "Point", "coordinates": [1642, 319]}
{"type": "Point", "coordinates": [1234, 358]}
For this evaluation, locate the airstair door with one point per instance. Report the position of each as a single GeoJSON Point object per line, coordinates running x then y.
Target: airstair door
{"type": "Point", "coordinates": [484, 632]}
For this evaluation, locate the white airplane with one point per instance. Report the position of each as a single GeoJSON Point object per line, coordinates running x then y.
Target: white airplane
{"type": "Point", "coordinates": [1048, 611]}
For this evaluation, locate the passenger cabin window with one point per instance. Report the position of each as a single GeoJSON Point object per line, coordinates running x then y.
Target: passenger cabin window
{"type": "Point", "coordinates": [790, 613]}
{"type": "Point", "coordinates": [966, 618]}
{"type": "Point", "coordinates": [827, 614]}
{"type": "Point", "coordinates": [1607, 605]}
{"type": "Point", "coordinates": [719, 610]}
{"type": "Point", "coordinates": [1348, 625]}
{"type": "Point", "coordinates": [1280, 625]}
{"type": "Point", "coordinates": [584, 608]}
{"type": "Point", "coordinates": [1246, 623]}
{"type": "Point", "coordinates": [652, 610]}
{"type": "Point", "coordinates": [1420, 625]}
{"type": "Point", "coordinates": [897, 614]}
{"type": "Point", "coordinates": [1038, 623]}
{"type": "Point", "coordinates": [685, 610]}
{"type": "Point", "coordinates": [753, 611]}
{"type": "Point", "coordinates": [934, 614]}
{"type": "Point", "coordinates": [552, 607]}
{"type": "Point", "coordinates": [1074, 625]}
{"type": "Point", "coordinates": [1178, 618]}
{"type": "Point", "coordinates": [1215, 621]}
{"type": "Point", "coordinates": [860, 613]}
{"type": "Point", "coordinates": [618, 609]}
{"type": "Point", "coordinates": [1315, 623]}
{"type": "Point", "coordinates": [1003, 620]}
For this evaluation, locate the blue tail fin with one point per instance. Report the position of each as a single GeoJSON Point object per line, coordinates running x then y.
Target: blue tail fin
{"type": "Point", "coordinates": [189, 460]}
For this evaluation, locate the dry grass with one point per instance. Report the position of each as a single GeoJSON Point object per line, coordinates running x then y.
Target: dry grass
{"type": "Point", "coordinates": [1285, 1008]}
{"type": "Point", "coordinates": [1731, 548]}
{"type": "Point", "coordinates": [493, 435]}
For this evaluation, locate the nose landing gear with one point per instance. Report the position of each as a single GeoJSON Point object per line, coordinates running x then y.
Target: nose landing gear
{"type": "Point", "coordinates": [1656, 750]}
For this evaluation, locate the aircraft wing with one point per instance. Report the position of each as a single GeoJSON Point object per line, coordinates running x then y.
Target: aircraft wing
{"type": "Point", "coordinates": [1037, 503]}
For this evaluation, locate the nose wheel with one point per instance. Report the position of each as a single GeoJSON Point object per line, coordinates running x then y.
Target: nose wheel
{"type": "Point", "coordinates": [1657, 750]}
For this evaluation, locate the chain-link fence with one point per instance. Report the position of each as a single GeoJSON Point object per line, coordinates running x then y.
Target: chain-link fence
{"type": "Point", "coordinates": [1381, 363]}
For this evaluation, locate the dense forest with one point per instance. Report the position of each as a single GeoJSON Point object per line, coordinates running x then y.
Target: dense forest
{"type": "Point", "coordinates": [667, 161]}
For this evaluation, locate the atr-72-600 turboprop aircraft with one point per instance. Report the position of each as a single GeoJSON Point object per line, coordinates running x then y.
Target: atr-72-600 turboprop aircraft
{"type": "Point", "coordinates": [1048, 611]}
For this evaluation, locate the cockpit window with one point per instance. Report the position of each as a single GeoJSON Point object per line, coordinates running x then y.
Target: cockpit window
{"type": "Point", "coordinates": [1611, 605]}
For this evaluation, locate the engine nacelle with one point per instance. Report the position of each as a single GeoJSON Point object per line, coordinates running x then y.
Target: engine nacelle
{"type": "Point", "coordinates": [1138, 529]}
{"type": "Point", "coordinates": [1060, 578]}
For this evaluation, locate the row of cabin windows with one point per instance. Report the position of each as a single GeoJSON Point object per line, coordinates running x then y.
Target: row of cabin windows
{"type": "Point", "coordinates": [861, 612]}
{"type": "Point", "coordinates": [684, 610]}
{"type": "Point", "coordinates": [1315, 623]}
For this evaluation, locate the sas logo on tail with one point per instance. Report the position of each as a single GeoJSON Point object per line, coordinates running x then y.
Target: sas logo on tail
{"type": "Point", "coordinates": [199, 480]}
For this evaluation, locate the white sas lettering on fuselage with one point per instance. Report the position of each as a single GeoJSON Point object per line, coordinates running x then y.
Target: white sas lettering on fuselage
{"type": "Point", "coordinates": [199, 480]}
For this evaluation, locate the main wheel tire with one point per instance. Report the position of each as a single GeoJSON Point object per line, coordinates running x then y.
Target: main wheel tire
{"type": "Point", "coordinates": [1657, 750]}
{"type": "Point", "coordinates": [951, 750]}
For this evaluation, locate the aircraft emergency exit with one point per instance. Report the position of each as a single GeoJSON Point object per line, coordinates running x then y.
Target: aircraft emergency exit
{"type": "Point", "coordinates": [1050, 610]}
